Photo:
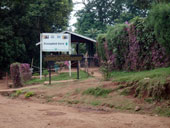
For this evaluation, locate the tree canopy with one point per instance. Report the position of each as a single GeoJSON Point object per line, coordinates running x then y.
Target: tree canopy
{"type": "Point", "coordinates": [21, 23]}
{"type": "Point", "coordinates": [97, 14]}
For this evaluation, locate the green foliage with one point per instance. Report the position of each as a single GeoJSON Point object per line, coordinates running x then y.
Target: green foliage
{"type": "Point", "coordinates": [36, 74]}
{"type": "Point", "coordinates": [100, 46]}
{"type": "Point", "coordinates": [97, 91]}
{"type": "Point", "coordinates": [132, 46]}
{"type": "Point", "coordinates": [145, 4]}
{"type": "Point", "coordinates": [159, 19]}
{"type": "Point", "coordinates": [17, 93]}
{"type": "Point", "coordinates": [29, 94]}
{"type": "Point", "coordinates": [106, 70]}
{"type": "Point", "coordinates": [73, 101]}
{"type": "Point", "coordinates": [115, 36]}
{"type": "Point", "coordinates": [34, 81]}
{"type": "Point", "coordinates": [163, 111]}
{"type": "Point", "coordinates": [151, 83]}
{"type": "Point", "coordinates": [94, 18]}
{"type": "Point", "coordinates": [45, 72]}
{"type": "Point", "coordinates": [159, 75]}
{"type": "Point", "coordinates": [95, 103]}
{"type": "Point", "coordinates": [149, 100]}
{"type": "Point", "coordinates": [125, 92]}
{"type": "Point", "coordinates": [116, 39]}
{"type": "Point", "coordinates": [21, 24]}
{"type": "Point", "coordinates": [61, 76]}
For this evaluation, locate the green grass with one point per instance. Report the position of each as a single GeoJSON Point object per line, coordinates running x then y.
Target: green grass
{"type": "Point", "coordinates": [29, 94]}
{"type": "Point", "coordinates": [61, 76]}
{"type": "Point", "coordinates": [152, 82]}
{"type": "Point", "coordinates": [35, 81]}
{"type": "Point", "coordinates": [155, 75]}
{"type": "Point", "coordinates": [95, 102]}
{"type": "Point", "coordinates": [163, 111]}
{"type": "Point", "coordinates": [125, 92]}
{"type": "Point", "coordinates": [97, 91]}
{"type": "Point", "coordinates": [65, 76]}
{"type": "Point", "coordinates": [17, 93]}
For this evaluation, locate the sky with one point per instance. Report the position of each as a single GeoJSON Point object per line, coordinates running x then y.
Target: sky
{"type": "Point", "coordinates": [76, 7]}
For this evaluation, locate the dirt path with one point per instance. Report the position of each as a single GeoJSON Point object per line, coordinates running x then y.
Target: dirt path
{"type": "Point", "coordinates": [24, 114]}
{"type": "Point", "coordinates": [17, 113]}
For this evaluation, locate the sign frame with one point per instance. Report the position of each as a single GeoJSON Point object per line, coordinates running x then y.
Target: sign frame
{"type": "Point", "coordinates": [55, 42]}
{"type": "Point", "coordinates": [41, 51]}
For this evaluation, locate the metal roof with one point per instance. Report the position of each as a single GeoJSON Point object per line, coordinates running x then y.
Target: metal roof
{"type": "Point", "coordinates": [80, 36]}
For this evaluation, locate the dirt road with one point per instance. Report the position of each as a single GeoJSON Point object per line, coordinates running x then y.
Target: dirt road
{"type": "Point", "coordinates": [26, 114]}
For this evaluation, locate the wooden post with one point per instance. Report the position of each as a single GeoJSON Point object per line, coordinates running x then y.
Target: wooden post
{"type": "Point", "coordinates": [49, 73]}
{"type": "Point", "coordinates": [7, 79]}
{"type": "Point", "coordinates": [77, 49]}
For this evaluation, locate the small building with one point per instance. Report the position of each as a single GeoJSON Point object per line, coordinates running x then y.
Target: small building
{"type": "Point", "coordinates": [90, 46]}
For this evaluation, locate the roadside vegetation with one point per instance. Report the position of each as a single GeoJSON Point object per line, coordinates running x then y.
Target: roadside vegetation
{"type": "Point", "coordinates": [153, 83]}
{"type": "Point", "coordinates": [58, 77]}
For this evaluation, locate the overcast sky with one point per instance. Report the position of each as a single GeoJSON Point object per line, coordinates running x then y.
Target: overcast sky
{"type": "Point", "coordinates": [76, 7]}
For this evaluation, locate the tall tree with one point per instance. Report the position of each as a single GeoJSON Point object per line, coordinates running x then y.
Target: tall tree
{"type": "Point", "coordinates": [97, 14]}
{"type": "Point", "coordinates": [21, 23]}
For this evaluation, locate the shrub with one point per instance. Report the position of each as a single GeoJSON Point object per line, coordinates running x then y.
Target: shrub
{"type": "Point", "coordinates": [36, 74]}
{"type": "Point", "coordinates": [15, 75]}
{"type": "Point", "coordinates": [45, 73]}
{"type": "Point", "coordinates": [163, 111]}
{"type": "Point", "coordinates": [17, 93]}
{"type": "Point", "coordinates": [97, 91]}
{"type": "Point", "coordinates": [132, 47]}
{"type": "Point", "coordinates": [20, 73]}
{"type": "Point", "coordinates": [159, 19]}
{"type": "Point", "coordinates": [29, 94]}
{"type": "Point", "coordinates": [106, 69]}
{"type": "Point", "coordinates": [100, 46]}
{"type": "Point", "coordinates": [25, 72]}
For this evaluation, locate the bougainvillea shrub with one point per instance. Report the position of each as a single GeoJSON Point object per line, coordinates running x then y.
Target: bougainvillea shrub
{"type": "Point", "coordinates": [25, 72]}
{"type": "Point", "coordinates": [20, 73]}
{"type": "Point", "coordinates": [15, 75]}
{"type": "Point", "coordinates": [132, 47]}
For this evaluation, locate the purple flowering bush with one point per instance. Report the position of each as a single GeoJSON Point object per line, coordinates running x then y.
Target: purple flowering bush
{"type": "Point", "coordinates": [132, 47]}
{"type": "Point", "coordinates": [25, 72]}
{"type": "Point", "coordinates": [15, 75]}
{"type": "Point", "coordinates": [20, 73]}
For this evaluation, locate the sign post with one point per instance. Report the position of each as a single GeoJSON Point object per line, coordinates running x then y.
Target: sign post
{"type": "Point", "coordinates": [54, 42]}
{"type": "Point", "coordinates": [40, 56]}
{"type": "Point", "coordinates": [49, 64]}
{"type": "Point", "coordinates": [63, 58]}
{"type": "Point", "coordinates": [77, 49]}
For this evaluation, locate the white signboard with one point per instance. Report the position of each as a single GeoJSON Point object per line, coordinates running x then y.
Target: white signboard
{"type": "Point", "coordinates": [55, 42]}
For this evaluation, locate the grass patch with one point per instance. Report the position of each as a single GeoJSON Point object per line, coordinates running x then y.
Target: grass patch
{"type": "Point", "coordinates": [149, 100]}
{"type": "Point", "coordinates": [17, 93]}
{"type": "Point", "coordinates": [163, 111]}
{"type": "Point", "coordinates": [29, 94]}
{"type": "Point", "coordinates": [152, 83]}
{"type": "Point", "coordinates": [95, 103]}
{"type": "Point", "coordinates": [35, 81]}
{"type": "Point", "coordinates": [36, 74]}
{"type": "Point", "coordinates": [125, 92]}
{"type": "Point", "coordinates": [125, 107]}
{"type": "Point", "coordinates": [73, 102]}
{"type": "Point", "coordinates": [97, 92]}
{"type": "Point", "coordinates": [158, 75]}
{"type": "Point", "coordinates": [61, 76]}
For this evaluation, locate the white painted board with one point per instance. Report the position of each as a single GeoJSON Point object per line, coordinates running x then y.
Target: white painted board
{"type": "Point", "coordinates": [55, 42]}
